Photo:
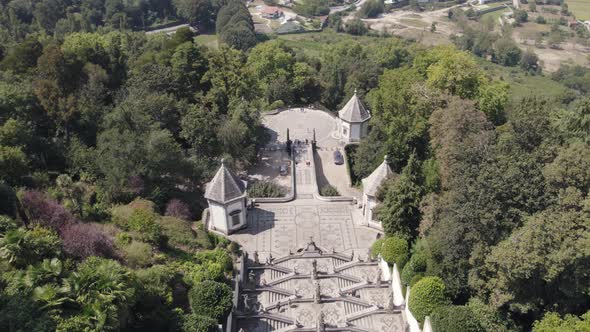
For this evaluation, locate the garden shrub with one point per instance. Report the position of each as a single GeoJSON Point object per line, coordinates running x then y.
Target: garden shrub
{"type": "Point", "coordinates": [415, 278]}
{"type": "Point", "coordinates": [329, 190]}
{"type": "Point", "coordinates": [265, 189]}
{"type": "Point", "coordinates": [454, 318]}
{"type": "Point", "coordinates": [198, 323]}
{"type": "Point", "coordinates": [25, 314]}
{"type": "Point", "coordinates": [208, 265]}
{"type": "Point", "coordinates": [156, 282]}
{"type": "Point", "coordinates": [395, 250]}
{"type": "Point", "coordinates": [7, 224]}
{"type": "Point", "coordinates": [376, 248]}
{"type": "Point", "coordinates": [102, 283]}
{"type": "Point", "coordinates": [211, 298]}
{"type": "Point", "coordinates": [195, 273]}
{"type": "Point", "coordinates": [488, 317]}
{"type": "Point", "coordinates": [427, 295]}
{"type": "Point", "coordinates": [82, 240]}
{"type": "Point", "coordinates": [140, 203]}
{"type": "Point", "coordinates": [178, 232]}
{"type": "Point", "coordinates": [121, 213]}
{"type": "Point", "coordinates": [416, 265]}
{"type": "Point", "coordinates": [553, 322]}
{"type": "Point", "coordinates": [144, 222]}
{"type": "Point", "coordinates": [75, 323]}
{"type": "Point", "coordinates": [216, 256]}
{"type": "Point", "coordinates": [123, 239]}
{"type": "Point", "coordinates": [178, 209]}
{"type": "Point", "coordinates": [22, 247]}
{"type": "Point", "coordinates": [45, 211]}
{"type": "Point", "coordinates": [138, 254]}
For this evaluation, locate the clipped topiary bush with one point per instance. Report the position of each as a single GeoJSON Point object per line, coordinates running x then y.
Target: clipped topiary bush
{"type": "Point", "coordinates": [211, 298]}
{"type": "Point", "coordinates": [376, 248]}
{"type": "Point", "coordinates": [417, 277]}
{"type": "Point", "coordinates": [416, 266]}
{"type": "Point", "coordinates": [265, 189]}
{"type": "Point", "coordinates": [329, 190]}
{"type": "Point", "coordinates": [395, 250]}
{"type": "Point", "coordinates": [427, 295]}
{"type": "Point", "coordinates": [454, 318]}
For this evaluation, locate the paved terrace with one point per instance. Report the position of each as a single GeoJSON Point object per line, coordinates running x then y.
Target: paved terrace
{"type": "Point", "coordinates": [277, 228]}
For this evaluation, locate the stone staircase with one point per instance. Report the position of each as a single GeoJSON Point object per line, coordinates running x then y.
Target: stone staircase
{"type": "Point", "coordinates": [317, 283]}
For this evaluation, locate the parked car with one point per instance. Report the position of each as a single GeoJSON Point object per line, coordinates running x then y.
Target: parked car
{"type": "Point", "coordinates": [338, 159]}
{"type": "Point", "coordinates": [283, 170]}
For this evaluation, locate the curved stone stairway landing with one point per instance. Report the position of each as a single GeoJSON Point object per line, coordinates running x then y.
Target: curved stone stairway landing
{"type": "Point", "coordinates": [314, 290]}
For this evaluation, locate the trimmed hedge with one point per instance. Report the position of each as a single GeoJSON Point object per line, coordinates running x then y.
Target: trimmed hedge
{"type": "Point", "coordinates": [329, 191]}
{"type": "Point", "coordinates": [454, 318]}
{"type": "Point", "coordinates": [376, 248]}
{"type": "Point", "coordinates": [265, 189]}
{"type": "Point", "coordinates": [426, 296]}
{"type": "Point", "coordinates": [211, 298]}
{"type": "Point", "coordinates": [416, 266]}
{"type": "Point", "coordinates": [395, 250]}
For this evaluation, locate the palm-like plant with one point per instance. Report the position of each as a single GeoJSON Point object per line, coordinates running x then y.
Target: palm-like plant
{"type": "Point", "coordinates": [53, 296]}
{"type": "Point", "coordinates": [23, 247]}
{"type": "Point", "coordinates": [11, 245]}
{"type": "Point", "coordinates": [49, 271]}
{"type": "Point", "coordinates": [102, 287]}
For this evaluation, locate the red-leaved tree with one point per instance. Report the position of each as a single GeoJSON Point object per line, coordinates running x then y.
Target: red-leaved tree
{"type": "Point", "coordinates": [84, 240]}
{"type": "Point", "coordinates": [45, 211]}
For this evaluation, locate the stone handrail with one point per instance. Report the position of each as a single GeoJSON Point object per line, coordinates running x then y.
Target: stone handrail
{"type": "Point", "coordinates": [348, 265]}
{"type": "Point", "coordinates": [363, 313]}
{"type": "Point", "coordinates": [271, 267]}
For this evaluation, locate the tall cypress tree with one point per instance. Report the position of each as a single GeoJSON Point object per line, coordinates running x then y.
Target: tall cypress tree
{"type": "Point", "coordinates": [399, 211]}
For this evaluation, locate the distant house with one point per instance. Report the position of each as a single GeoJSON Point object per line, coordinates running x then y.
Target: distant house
{"type": "Point", "coordinates": [271, 12]}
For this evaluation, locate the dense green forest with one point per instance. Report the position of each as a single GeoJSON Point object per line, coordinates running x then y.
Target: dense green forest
{"type": "Point", "coordinates": [107, 137]}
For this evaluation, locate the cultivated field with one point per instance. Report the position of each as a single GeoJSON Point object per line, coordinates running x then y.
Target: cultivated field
{"type": "Point", "coordinates": [580, 8]}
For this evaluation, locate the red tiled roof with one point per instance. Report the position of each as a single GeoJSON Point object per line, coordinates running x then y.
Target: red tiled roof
{"type": "Point", "coordinates": [271, 10]}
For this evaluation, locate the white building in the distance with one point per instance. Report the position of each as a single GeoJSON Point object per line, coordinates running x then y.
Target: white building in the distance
{"type": "Point", "coordinates": [354, 120]}
{"type": "Point", "coordinates": [226, 195]}
{"type": "Point", "coordinates": [371, 186]}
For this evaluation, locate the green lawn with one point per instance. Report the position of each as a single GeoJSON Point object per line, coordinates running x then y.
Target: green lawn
{"type": "Point", "coordinates": [494, 15]}
{"type": "Point", "coordinates": [521, 84]}
{"type": "Point", "coordinates": [580, 8]}
{"type": "Point", "coordinates": [207, 40]}
{"type": "Point", "coordinates": [312, 43]}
